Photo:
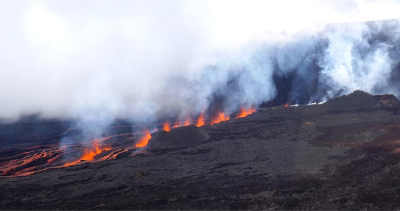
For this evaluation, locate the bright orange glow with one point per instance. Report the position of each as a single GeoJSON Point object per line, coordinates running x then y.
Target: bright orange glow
{"type": "Point", "coordinates": [16, 165]}
{"type": "Point", "coordinates": [166, 127]}
{"type": "Point", "coordinates": [89, 154]}
{"type": "Point", "coordinates": [144, 140]}
{"type": "Point", "coordinates": [286, 105]}
{"type": "Point", "coordinates": [243, 112]}
{"type": "Point", "coordinates": [188, 121]}
{"type": "Point", "coordinates": [51, 156]}
{"type": "Point", "coordinates": [72, 163]}
{"type": "Point", "coordinates": [220, 117]}
{"type": "Point", "coordinates": [177, 124]}
{"type": "Point", "coordinates": [200, 120]}
{"type": "Point", "coordinates": [95, 150]}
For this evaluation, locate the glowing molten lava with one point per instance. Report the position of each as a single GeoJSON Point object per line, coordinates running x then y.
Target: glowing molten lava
{"type": "Point", "coordinates": [41, 158]}
{"type": "Point", "coordinates": [188, 121]}
{"type": "Point", "coordinates": [177, 124]}
{"type": "Point", "coordinates": [243, 112]}
{"type": "Point", "coordinates": [166, 127]}
{"type": "Point", "coordinates": [286, 105]}
{"type": "Point", "coordinates": [89, 154]}
{"type": "Point", "coordinates": [144, 140]}
{"type": "Point", "coordinates": [200, 120]}
{"type": "Point", "coordinates": [220, 117]}
{"type": "Point", "coordinates": [95, 150]}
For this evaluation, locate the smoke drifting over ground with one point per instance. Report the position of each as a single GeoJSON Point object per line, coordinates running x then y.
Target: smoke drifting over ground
{"type": "Point", "coordinates": [149, 60]}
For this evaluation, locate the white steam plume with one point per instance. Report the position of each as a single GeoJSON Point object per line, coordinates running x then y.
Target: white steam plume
{"type": "Point", "coordinates": [141, 60]}
{"type": "Point", "coordinates": [353, 61]}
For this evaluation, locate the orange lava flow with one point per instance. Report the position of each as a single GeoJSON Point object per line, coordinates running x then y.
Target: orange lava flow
{"type": "Point", "coordinates": [95, 150]}
{"type": "Point", "coordinates": [243, 112]}
{"type": "Point", "coordinates": [72, 163]}
{"type": "Point", "coordinates": [44, 157]}
{"type": "Point", "coordinates": [166, 127]}
{"type": "Point", "coordinates": [220, 117]}
{"type": "Point", "coordinates": [286, 105]}
{"type": "Point", "coordinates": [144, 140]}
{"type": "Point", "coordinates": [114, 154]}
{"type": "Point", "coordinates": [31, 157]}
{"type": "Point", "coordinates": [200, 120]}
{"type": "Point", "coordinates": [89, 154]}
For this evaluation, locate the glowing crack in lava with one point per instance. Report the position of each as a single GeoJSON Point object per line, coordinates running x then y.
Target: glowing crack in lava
{"type": "Point", "coordinates": [220, 117]}
{"type": "Point", "coordinates": [243, 112]}
{"type": "Point", "coordinates": [200, 120]}
{"type": "Point", "coordinates": [144, 140]}
{"type": "Point", "coordinates": [166, 127]}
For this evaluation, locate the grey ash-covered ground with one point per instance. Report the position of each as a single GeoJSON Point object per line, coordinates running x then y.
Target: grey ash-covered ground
{"type": "Point", "coordinates": [340, 155]}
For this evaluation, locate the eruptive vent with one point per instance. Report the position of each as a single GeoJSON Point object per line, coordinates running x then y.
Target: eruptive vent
{"type": "Point", "coordinates": [89, 154]}
{"type": "Point", "coordinates": [166, 127]}
{"type": "Point", "coordinates": [220, 117]}
{"type": "Point", "coordinates": [188, 121]}
{"type": "Point", "coordinates": [144, 140]}
{"type": "Point", "coordinates": [243, 112]}
{"type": "Point", "coordinates": [200, 120]}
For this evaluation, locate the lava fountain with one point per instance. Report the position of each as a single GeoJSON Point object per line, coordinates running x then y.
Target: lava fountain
{"type": "Point", "coordinates": [200, 120]}
{"type": "Point", "coordinates": [89, 154]}
{"type": "Point", "coordinates": [144, 140]}
{"type": "Point", "coordinates": [220, 117]}
{"type": "Point", "coordinates": [166, 127]}
{"type": "Point", "coordinates": [243, 112]}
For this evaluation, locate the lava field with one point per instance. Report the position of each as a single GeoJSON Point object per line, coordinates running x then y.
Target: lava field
{"type": "Point", "coordinates": [343, 154]}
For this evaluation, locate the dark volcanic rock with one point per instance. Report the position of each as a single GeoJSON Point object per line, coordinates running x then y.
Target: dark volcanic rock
{"type": "Point", "coordinates": [178, 137]}
{"type": "Point", "coordinates": [388, 101]}
{"type": "Point", "coordinates": [360, 99]}
{"type": "Point", "coordinates": [343, 155]}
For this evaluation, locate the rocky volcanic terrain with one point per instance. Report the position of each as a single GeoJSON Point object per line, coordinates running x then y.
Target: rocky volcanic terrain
{"type": "Point", "coordinates": [344, 154]}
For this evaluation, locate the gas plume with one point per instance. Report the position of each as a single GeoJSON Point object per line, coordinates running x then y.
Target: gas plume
{"type": "Point", "coordinates": [156, 60]}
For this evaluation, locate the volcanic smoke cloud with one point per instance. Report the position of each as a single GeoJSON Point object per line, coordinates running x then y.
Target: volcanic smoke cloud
{"type": "Point", "coordinates": [95, 61]}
